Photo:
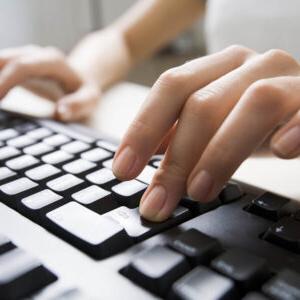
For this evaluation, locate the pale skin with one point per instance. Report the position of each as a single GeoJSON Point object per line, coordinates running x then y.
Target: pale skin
{"type": "Point", "coordinates": [214, 110]}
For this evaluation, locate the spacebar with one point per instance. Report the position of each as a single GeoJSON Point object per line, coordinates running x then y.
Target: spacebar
{"type": "Point", "coordinates": [97, 235]}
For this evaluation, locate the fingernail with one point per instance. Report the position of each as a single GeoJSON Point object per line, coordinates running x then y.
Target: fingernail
{"type": "Point", "coordinates": [64, 112]}
{"type": "Point", "coordinates": [153, 203]}
{"type": "Point", "coordinates": [201, 186]}
{"type": "Point", "coordinates": [124, 162]}
{"type": "Point", "coordinates": [289, 142]}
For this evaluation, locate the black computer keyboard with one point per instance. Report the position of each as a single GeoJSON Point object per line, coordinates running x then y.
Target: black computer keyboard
{"type": "Point", "coordinates": [245, 243]}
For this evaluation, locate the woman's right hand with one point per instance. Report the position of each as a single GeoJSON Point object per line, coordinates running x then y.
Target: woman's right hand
{"type": "Point", "coordinates": [21, 66]}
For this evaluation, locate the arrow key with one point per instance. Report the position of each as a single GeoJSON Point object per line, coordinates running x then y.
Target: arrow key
{"type": "Point", "coordinates": [285, 233]}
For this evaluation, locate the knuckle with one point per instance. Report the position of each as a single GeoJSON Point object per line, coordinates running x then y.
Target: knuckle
{"type": "Point", "coordinates": [199, 102]}
{"type": "Point", "coordinates": [239, 51]}
{"type": "Point", "coordinates": [174, 78]}
{"type": "Point", "coordinates": [265, 95]}
{"type": "Point", "coordinates": [279, 56]}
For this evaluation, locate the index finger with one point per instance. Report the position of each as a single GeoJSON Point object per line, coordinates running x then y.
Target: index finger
{"type": "Point", "coordinates": [164, 103]}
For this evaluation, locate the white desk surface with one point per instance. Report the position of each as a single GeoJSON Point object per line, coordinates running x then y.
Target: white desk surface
{"type": "Point", "coordinates": [118, 107]}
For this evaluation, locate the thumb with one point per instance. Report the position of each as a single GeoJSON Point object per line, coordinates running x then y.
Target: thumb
{"type": "Point", "coordinates": [78, 105]}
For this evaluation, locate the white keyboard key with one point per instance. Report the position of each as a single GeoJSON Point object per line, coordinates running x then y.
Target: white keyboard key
{"type": "Point", "coordinates": [96, 154]}
{"type": "Point", "coordinates": [78, 166]}
{"type": "Point", "coordinates": [6, 173]}
{"type": "Point", "coordinates": [39, 133]}
{"type": "Point", "coordinates": [57, 157]}
{"type": "Point", "coordinates": [101, 176]}
{"type": "Point", "coordinates": [6, 134]}
{"type": "Point", "coordinates": [20, 141]}
{"type": "Point", "coordinates": [41, 199]}
{"type": "Point", "coordinates": [16, 263]}
{"type": "Point", "coordinates": [131, 220]}
{"type": "Point", "coordinates": [22, 162]}
{"type": "Point", "coordinates": [107, 145]}
{"type": "Point", "coordinates": [90, 194]}
{"type": "Point", "coordinates": [84, 223]}
{"type": "Point", "coordinates": [7, 152]}
{"type": "Point", "coordinates": [64, 182]}
{"type": "Point", "coordinates": [108, 163]}
{"type": "Point", "coordinates": [38, 149]}
{"type": "Point", "coordinates": [18, 186]}
{"type": "Point", "coordinates": [42, 172]}
{"type": "Point", "coordinates": [75, 147]}
{"type": "Point", "coordinates": [147, 174]}
{"type": "Point", "coordinates": [128, 188]}
{"type": "Point", "coordinates": [56, 140]}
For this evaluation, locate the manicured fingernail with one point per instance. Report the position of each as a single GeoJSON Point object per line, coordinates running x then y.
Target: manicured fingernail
{"type": "Point", "coordinates": [124, 162]}
{"type": "Point", "coordinates": [289, 142]}
{"type": "Point", "coordinates": [201, 186]}
{"type": "Point", "coordinates": [153, 203]}
{"type": "Point", "coordinates": [64, 112]}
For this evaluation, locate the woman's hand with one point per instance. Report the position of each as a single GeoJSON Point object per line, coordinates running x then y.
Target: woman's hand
{"type": "Point", "coordinates": [221, 108]}
{"type": "Point", "coordinates": [18, 66]}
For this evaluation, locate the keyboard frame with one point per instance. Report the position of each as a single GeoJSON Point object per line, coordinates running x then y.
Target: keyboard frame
{"type": "Point", "coordinates": [102, 277]}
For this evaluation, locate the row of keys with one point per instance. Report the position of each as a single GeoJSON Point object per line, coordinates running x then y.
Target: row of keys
{"type": "Point", "coordinates": [177, 271]}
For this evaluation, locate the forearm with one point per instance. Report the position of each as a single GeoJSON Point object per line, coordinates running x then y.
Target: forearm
{"type": "Point", "coordinates": [106, 56]}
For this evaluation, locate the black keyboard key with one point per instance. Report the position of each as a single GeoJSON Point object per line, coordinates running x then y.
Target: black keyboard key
{"type": "Point", "coordinates": [297, 215]}
{"type": "Point", "coordinates": [96, 234]}
{"type": "Point", "coordinates": [156, 269]}
{"type": "Point", "coordinates": [231, 192]}
{"type": "Point", "coordinates": [248, 270]}
{"type": "Point", "coordinates": [21, 275]}
{"type": "Point", "coordinates": [255, 296]}
{"type": "Point", "coordinates": [196, 246]}
{"type": "Point", "coordinates": [138, 228]}
{"type": "Point", "coordinates": [5, 244]}
{"type": "Point", "coordinates": [202, 283]}
{"type": "Point", "coordinates": [198, 207]}
{"type": "Point", "coordinates": [269, 206]}
{"type": "Point", "coordinates": [285, 233]}
{"type": "Point", "coordinates": [284, 286]}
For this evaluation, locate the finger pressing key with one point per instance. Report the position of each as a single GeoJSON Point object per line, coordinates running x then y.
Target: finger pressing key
{"type": "Point", "coordinates": [163, 106]}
